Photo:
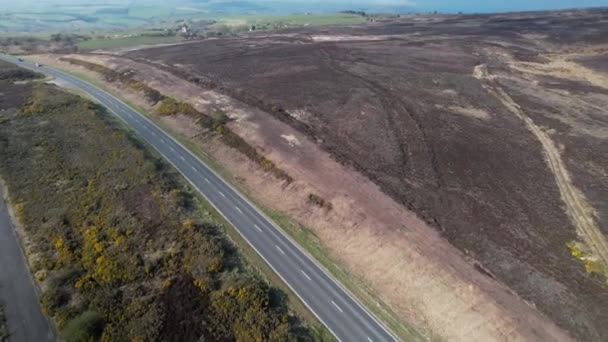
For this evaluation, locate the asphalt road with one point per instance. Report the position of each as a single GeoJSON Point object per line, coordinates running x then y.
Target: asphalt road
{"type": "Point", "coordinates": [322, 294]}
{"type": "Point", "coordinates": [17, 292]}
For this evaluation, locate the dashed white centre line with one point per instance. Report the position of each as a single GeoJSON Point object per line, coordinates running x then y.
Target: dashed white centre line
{"type": "Point", "coordinates": [207, 180]}
{"type": "Point", "coordinates": [194, 169]}
{"type": "Point", "coordinates": [337, 307]}
{"type": "Point", "coordinates": [154, 134]}
{"type": "Point", "coordinates": [258, 228]}
{"type": "Point", "coordinates": [280, 250]}
{"type": "Point", "coordinates": [182, 158]}
{"type": "Point", "coordinates": [172, 149]}
{"type": "Point", "coordinates": [306, 275]}
{"type": "Point", "coordinates": [222, 194]}
{"type": "Point", "coordinates": [239, 210]}
{"type": "Point", "coordinates": [369, 339]}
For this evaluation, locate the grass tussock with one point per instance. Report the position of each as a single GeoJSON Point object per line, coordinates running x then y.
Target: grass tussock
{"type": "Point", "coordinates": [123, 252]}
{"type": "Point", "coordinates": [320, 202]}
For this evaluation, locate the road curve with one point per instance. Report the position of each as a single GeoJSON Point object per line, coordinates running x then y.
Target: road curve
{"type": "Point", "coordinates": [322, 294]}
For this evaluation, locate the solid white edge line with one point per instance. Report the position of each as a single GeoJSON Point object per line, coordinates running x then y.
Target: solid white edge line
{"type": "Point", "coordinates": [250, 244]}
{"type": "Point", "coordinates": [243, 198]}
{"type": "Point", "coordinates": [278, 229]}
{"type": "Point", "coordinates": [306, 275]}
{"type": "Point", "coordinates": [313, 260]}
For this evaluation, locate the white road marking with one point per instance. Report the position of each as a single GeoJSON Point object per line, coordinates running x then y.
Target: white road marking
{"type": "Point", "coordinates": [172, 149]}
{"type": "Point", "coordinates": [207, 180]}
{"type": "Point", "coordinates": [369, 339]}
{"type": "Point", "coordinates": [238, 209]}
{"type": "Point", "coordinates": [222, 194]}
{"type": "Point", "coordinates": [306, 275]}
{"type": "Point", "coordinates": [337, 307]}
{"type": "Point", "coordinates": [194, 169]}
{"type": "Point", "coordinates": [162, 140]}
{"type": "Point", "coordinates": [280, 250]}
{"type": "Point", "coordinates": [258, 228]}
{"type": "Point", "coordinates": [154, 134]}
{"type": "Point", "coordinates": [182, 158]}
{"type": "Point", "coordinates": [83, 85]}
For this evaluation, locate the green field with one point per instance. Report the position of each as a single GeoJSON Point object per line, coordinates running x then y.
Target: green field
{"type": "Point", "coordinates": [82, 16]}
{"type": "Point", "coordinates": [114, 43]}
{"type": "Point", "coordinates": [296, 19]}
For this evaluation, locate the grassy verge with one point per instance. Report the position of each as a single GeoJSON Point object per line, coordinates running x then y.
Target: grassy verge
{"type": "Point", "coordinates": [299, 233]}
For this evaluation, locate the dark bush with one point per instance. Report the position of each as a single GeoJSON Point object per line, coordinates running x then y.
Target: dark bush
{"type": "Point", "coordinates": [319, 201]}
{"type": "Point", "coordinates": [86, 327]}
{"type": "Point", "coordinates": [18, 74]}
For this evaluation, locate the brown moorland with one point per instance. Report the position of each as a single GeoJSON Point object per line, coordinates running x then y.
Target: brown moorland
{"type": "Point", "coordinates": [492, 128]}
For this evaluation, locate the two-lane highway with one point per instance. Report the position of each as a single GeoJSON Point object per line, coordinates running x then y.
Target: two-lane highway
{"type": "Point", "coordinates": [321, 293]}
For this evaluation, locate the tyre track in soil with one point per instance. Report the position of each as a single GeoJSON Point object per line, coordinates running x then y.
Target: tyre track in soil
{"type": "Point", "coordinates": [393, 108]}
{"type": "Point", "coordinates": [577, 207]}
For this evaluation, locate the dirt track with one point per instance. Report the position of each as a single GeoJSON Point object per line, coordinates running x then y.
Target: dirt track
{"type": "Point", "coordinates": [578, 207]}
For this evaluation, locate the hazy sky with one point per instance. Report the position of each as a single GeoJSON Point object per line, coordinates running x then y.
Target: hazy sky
{"type": "Point", "coordinates": [476, 5]}
{"type": "Point", "coordinates": [424, 5]}
{"type": "Point", "coordinates": [504, 5]}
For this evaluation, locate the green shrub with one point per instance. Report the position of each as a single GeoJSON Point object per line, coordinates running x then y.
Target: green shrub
{"type": "Point", "coordinates": [169, 106]}
{"type": "Point", "coordinates": [86, 327]}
